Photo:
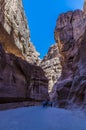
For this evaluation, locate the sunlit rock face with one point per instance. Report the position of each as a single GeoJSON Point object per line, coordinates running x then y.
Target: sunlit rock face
{"type": "Point", "coordinates": [52, 66]}
{"type": "Point", "coordinates": [70, 33]}
{"type": "Point", "coordinates": [20, 81]}
{"type": "Point", "coordinates": [14, 31]}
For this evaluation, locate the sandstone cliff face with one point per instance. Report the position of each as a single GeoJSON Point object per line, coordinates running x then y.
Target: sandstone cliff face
{"type": "Point", "coordinates": [70, 33]}
{"type": "Point", "coordinates": [14, 32]}
{"type": "Point", "coordinates": [51, 66]}
{"type": "Point", "coordinates": [20, 80]}
{"type": "Point", "coordinates": [21, 83]}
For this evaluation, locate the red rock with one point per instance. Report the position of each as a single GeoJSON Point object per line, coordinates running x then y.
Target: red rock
{"type": "Point", "coordinates": [20, 80]}
{"type": "Point", "coordinates": [71, 37]}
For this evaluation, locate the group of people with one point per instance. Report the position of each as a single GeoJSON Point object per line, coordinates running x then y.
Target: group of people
{"type": "Point", "coordinates": [47, 103]}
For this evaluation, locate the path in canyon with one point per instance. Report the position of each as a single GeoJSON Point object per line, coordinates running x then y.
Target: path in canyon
{"type": "Point", "coordinates": [39, 118]}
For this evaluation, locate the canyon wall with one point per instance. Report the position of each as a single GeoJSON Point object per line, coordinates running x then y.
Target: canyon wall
{"type": "Point", "coordinates": [84, 6]}
{"type": "Point", "coordinates": [70, 34]}
{"type": "Point", "coordinates": [64, 65]}
{"type": "Point", "coordinates": [20, 80]}
{"type": "Point", "coordinates": [52, 66]}
{"type": "Point", "coordinates": [14, 31]}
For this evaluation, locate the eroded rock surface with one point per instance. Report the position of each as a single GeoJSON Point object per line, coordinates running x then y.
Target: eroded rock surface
{"type": "Point", "coordinates": [14, 31]}
{"type": "Point", "coordinates": [84, 7]}
{"type": "Point", "coordinates": [51, 66]}
{"type": "Point", "coordinates": [70, 33]}
{"type": "Point", "coordinates": [20, 80]}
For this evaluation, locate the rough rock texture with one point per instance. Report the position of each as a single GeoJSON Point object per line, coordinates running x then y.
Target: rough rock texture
{"type": "Point", "coordinates": [14, 32]}
{"type": "Point", "coordinates": [84, 7]}
{"type": "Point", "coordinates": [70, 33]}
{"type": "Point", "coordinates": [51, 66]}
{"type": "Point", "coordinates": [20, 80]}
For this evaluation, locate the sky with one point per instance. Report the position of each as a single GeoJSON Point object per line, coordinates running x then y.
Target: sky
{"type": "Point", "coordinates": [42, 16]}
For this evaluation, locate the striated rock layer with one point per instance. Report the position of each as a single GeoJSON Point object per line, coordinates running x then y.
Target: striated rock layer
{"type": "Point", "coordinates": [14, 32]}
{"type": "Point", "coordinates": [20, 80]}
{"type": "Point", "coordinates": [51, 66]}
{"type": "Point", "coordinates": [70, 33]}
